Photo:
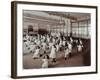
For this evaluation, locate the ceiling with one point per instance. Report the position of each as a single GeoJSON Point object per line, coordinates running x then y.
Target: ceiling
{"type": "Point", "coordinates": [56, 15]}
{"type": "Point", "coordinates": [52, 18]}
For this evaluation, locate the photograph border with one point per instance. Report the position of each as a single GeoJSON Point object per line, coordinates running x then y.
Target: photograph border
{"type": "Point", "coordinates": [14, 37]}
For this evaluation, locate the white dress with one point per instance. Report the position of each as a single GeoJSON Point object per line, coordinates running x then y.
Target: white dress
{"type": "Point", "coordinates": [54, 41]}
{"type": "Point", "coordinates": [71, 40]}
{"type": "Point", "coordinates": [50, 45]}
{"type": "Point", "coordinates": [70, 47]}
{"type": "Point", "coordinates": [44, 46]}
{"type": "Point", "coordinates": [60, 44]}
{"type": "Point", "coordinates": [48, 39]}
{"type": "Point", "coordinates": [66, 52]}
{"type": "Point", "coordinates": [25, 48]}
{"type": "Point", "coordinates": [64, 42]}
{"type": "Point", "coordinates": [24, 38]}
{"type": "Point", "coordinates": [79, 48]}
{"type": "Point", "coordinates": [32, 47]}
{"type": "Point", "coordinates": [81, 42]}
{"type": "Point", "coordinates": [27, 37]}
{"type": "Point", "coordinates": [38, 42]}
{"type": "Point", "coordinates": [57, 46]}
{"type": "Point", "coordinates": [45, 63]}
{"type": "Point", "coordinates": [27, 43]}
{"type": "Point", "coordinates": [53, 53]}
{"type": "Point", "coordinates": [36, 54]}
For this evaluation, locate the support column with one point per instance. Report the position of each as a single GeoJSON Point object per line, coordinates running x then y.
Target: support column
{"type": "Point", "coordinates": [70, 28]}
{"type": "Point", "coordinates": [78, 29]}
{"type": "Point", "coordinates": [87, 28]}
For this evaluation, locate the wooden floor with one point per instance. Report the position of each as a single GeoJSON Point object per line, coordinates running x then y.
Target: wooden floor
{"type": "Point", "coordinates": [77, 59]}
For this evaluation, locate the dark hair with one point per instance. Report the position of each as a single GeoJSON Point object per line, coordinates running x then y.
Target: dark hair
{"type": "Point", "coordinates": [44, 52]}
{"type": "Point", "coordinates": [54, 46]}
{"type": "Point", "coordinates": [38, 47]}
{"type": "Point", "coordinates": [46, 57]}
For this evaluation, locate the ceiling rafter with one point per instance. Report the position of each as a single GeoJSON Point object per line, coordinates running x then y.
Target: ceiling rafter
{"type": "Point", "coordinates": [61, 15]}
{"type": "Point", "coordinates": [40, 21]}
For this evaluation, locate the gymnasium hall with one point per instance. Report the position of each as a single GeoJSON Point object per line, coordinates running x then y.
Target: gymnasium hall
{"type": "Point", "coordinates": [54, 39]}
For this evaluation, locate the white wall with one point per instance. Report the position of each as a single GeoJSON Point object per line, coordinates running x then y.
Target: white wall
{"type": "Point", "coordinates": [5, 43]}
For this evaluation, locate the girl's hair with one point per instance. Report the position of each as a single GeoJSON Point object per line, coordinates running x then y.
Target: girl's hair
{"type": "Point", "coordinates": [46, 57]}
{"type": "Point", "coordinates": [38, 47]}
{"type": "Point", "coordinates": [54, 46]}
{"type": "Point", "coordinates": [44, 52]}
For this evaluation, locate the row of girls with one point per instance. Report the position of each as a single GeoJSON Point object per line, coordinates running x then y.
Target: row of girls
{"type": "Point", "coordinates": [49, 45]}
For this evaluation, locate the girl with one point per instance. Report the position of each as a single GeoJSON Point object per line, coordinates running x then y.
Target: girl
{"type": "Point", "coordinates": [33, 47]}
{"type": "Point", "coordinates": [71, 40]}
{"type": "Point", "coordinates": [70, 46]}
{"type": "Point", "coordinates": [66, 53]}
{"type": "Point", "coordinates": [53, 53]}
{"type": "Point", "coordinates": [80, 47]}
{"type": "Point", "coordinates": [70, 49]}
{"type": "Point", "coordinates": [60, 44]}
{"type": "Point", "coordinates": [45, 62]}
{"type": "Point", "coordinates": [57, 47]}
{"type": "Point", "coordinates": [64, 43]}
{"type": "Point", "coordinates": [80, 41]}
{"type": "Point", "coordinates": [44, 46]}
{"type": "Point", "coordinates": [36, 54]}
{"type": "Point", "coordinates": [50, 45]}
